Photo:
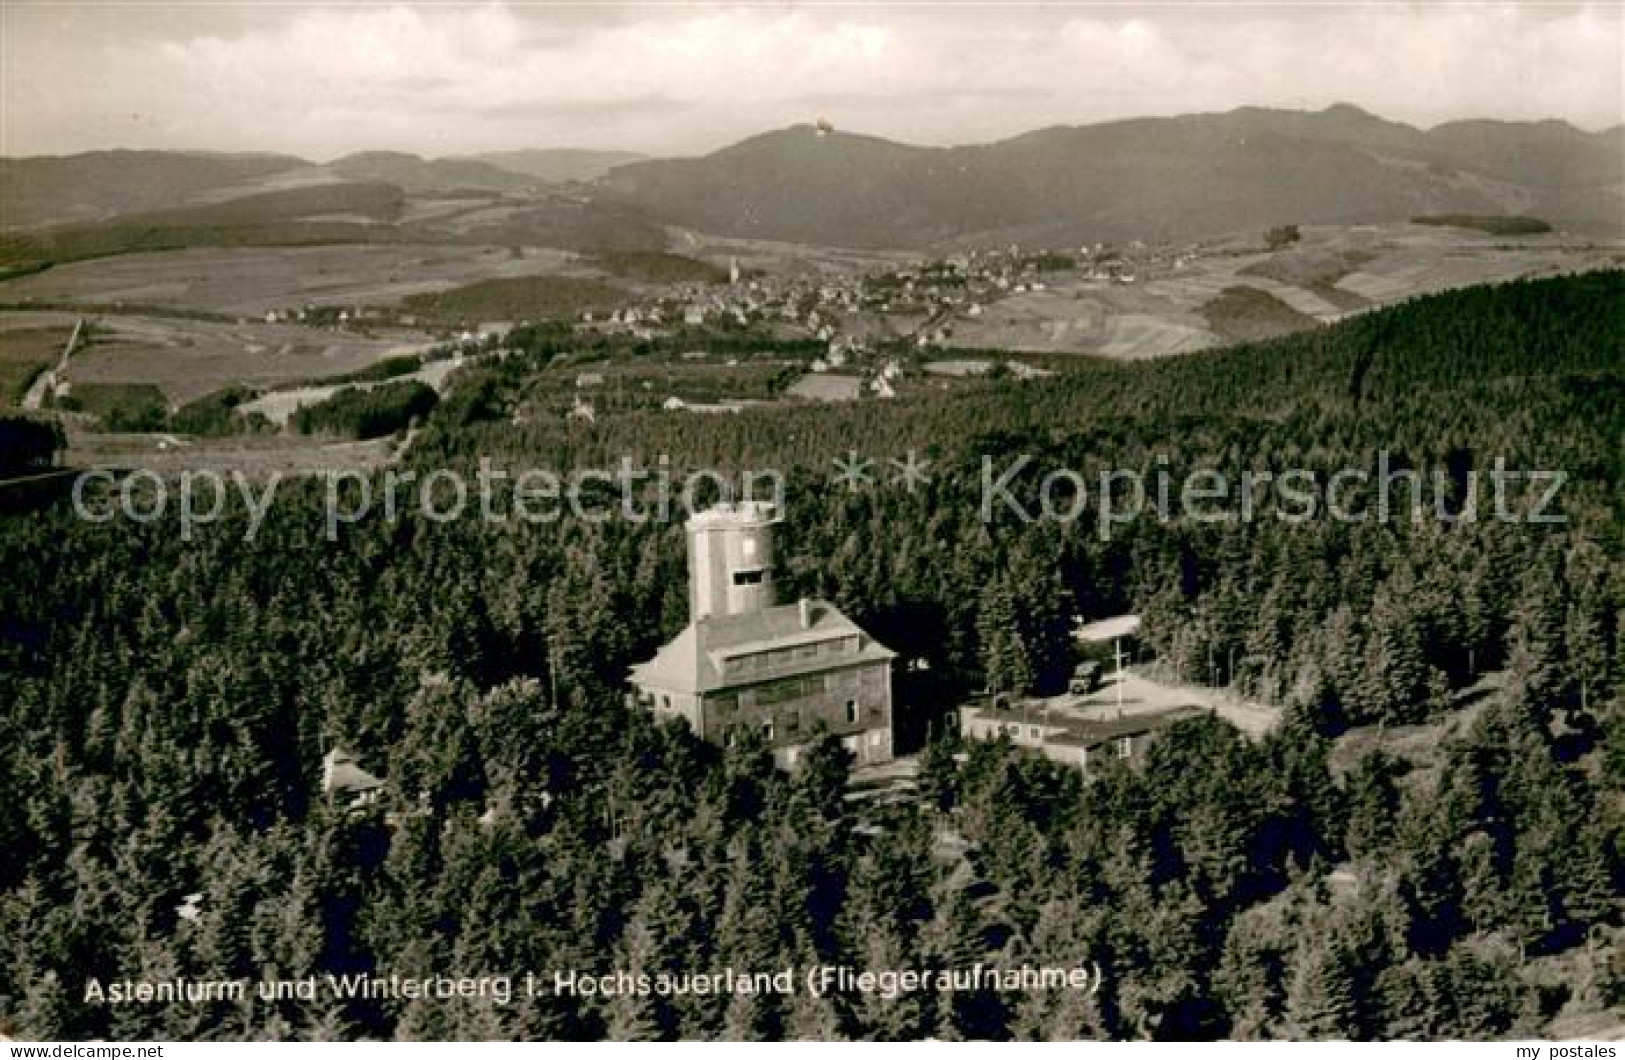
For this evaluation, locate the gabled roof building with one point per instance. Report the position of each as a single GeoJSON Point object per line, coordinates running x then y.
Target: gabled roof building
{"type": "Point", "coordinates": [786, 670]}
{"type": "Point", "coordinates": [344, 780]}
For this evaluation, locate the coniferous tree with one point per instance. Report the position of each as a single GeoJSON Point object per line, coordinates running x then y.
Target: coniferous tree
{"type": "Point", "coordinates": [1007, 658]}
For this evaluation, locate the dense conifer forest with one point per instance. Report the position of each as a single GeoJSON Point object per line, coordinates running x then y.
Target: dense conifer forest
{"type": "Point", "coordinates": [167, 705]}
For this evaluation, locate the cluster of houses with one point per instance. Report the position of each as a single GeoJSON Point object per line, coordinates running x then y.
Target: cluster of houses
{"type": "Point", "coordinates": [918, 301]}
{"type": "Point", "coordinates": [861, 318]}
{"type": "Point", "coordinates": [856, 316]}
{"type": "Point", "coordinates": [336, 316]}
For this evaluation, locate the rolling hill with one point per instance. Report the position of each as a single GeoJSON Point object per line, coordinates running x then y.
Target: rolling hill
{"type": "Point", "coordinates": [1155, 178]}
{"type": "Point", "coordinates": [416, 175]}
{"type": "Point", "coordinates": [101, 184]}
{"type": "Point", "coordinates": [299, 216]}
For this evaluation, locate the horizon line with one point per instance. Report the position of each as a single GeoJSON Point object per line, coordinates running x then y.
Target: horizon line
{"type": "Point", "coordinates": [1615, 128]}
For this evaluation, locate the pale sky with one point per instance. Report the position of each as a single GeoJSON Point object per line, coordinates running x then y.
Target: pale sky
{"type": "Point", "coordinates": [321, 80]}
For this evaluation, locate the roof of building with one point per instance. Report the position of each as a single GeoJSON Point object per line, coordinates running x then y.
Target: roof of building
{"type": "Point", "coordinates": [340, 773]}
{"type": "Point", "coordinates": [1090, 732]}
{"type": "Point", "coordinates": [1109, 629]}
{"type": "Point", "coordinates": [741, 514]}
{"type": "Point", "coordinates": [828, 387]}
{"type": "Point", "coordinates": [692, 661]}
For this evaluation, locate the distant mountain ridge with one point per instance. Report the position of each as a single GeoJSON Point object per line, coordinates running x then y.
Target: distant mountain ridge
{"type": "Point", "coordinates": [1181, 177]}
{"type": "Point", "coordinates": [1152, 178]}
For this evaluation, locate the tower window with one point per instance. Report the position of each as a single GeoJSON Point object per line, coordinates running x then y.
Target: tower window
{"type": "Point", "coordinates": [749, 577]}
{"type": "Point", "coordinates": [851, 712]}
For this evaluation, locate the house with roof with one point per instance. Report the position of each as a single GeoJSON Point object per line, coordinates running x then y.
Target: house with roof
{"type": "Point", "coordinates": [345, 782]}
{"type": "Point", "coordinates": [787, 671]}
{"type": "Point", "coordinates": [1062, 736]}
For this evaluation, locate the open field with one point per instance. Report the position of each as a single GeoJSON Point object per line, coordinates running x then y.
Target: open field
{"type": "Point", "coordinates": [650, 267]}
{"type": "Point", "coordinates": [517, 298]}
{"type": "Point", "coordinates": [1332, 271]}
{"type": "Point", "coordinates": [25, 352]}
{"type": "Point", "coordinates": [251, 281]}
{"type": "Point", "coordinates": [186, 359]}
{"type": "Point", "coordinates": [783, 259]}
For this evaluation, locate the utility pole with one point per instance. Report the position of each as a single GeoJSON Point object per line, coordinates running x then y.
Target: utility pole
{"type": "Point", "coordinates": [1117, 653]}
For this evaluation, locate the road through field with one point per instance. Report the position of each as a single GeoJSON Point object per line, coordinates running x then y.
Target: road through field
{"type": "Point", "coordinates": [46, 380]}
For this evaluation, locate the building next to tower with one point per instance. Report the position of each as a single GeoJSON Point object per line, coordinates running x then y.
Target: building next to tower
{"type": "Point", "coordinates": [788, 671]}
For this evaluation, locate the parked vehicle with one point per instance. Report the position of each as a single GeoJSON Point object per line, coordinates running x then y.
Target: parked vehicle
{"type": "Point", "coordinates": [1086, 677]}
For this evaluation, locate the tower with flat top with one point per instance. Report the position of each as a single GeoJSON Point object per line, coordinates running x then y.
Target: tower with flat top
{"type": "Point", "coordinates": [730, 560]}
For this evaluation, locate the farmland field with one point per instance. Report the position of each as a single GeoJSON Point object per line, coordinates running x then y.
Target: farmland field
{"type": "Point", "coordinates": [1126, 323]}
{"type": "Point", "coordinates": [649, 267]}
{"type": "Point", "coordinates": [186, 359]}
{"type": "Point", "coordinates": [1333, 271]}
{"type": "Point", "coordinates": [517, 298]}
{"type": "Point", "coordinates": [25, 352]}
{"type": "Point", "coordinates": [252, 281]}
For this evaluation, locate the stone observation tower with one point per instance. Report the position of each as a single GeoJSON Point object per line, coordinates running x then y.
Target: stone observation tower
{"type": "Point", "coordinates": [747, 662]}
{"type": "Point", "coordinates": [730, 560]}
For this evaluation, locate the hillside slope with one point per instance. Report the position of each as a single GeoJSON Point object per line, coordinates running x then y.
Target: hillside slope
{"type": "Point", "coordinates": [102, 184]}
{"type": "Point", "coordinates": [413, 174]}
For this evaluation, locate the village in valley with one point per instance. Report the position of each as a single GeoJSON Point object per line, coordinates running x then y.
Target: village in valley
{"type": "Point", "coordinates": [142, 342]}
